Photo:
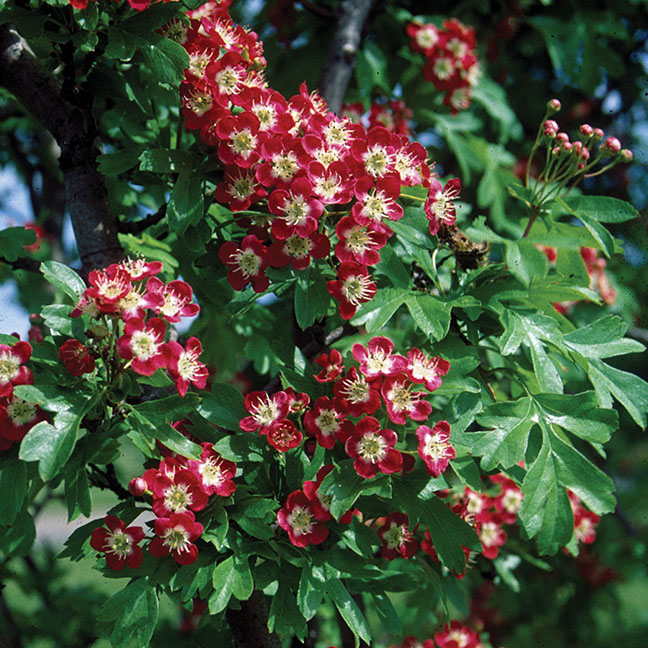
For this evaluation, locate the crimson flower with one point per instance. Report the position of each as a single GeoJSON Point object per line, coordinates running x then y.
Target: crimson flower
{"type": "Point", "coordinates": [373, 449]}
{"type": "Point", "coordinates": [457, 635]}
{"type": "Point", "coordinates": [357, 394]}
{"type": "Point", "coordinates": [492, 535]}
{"type": "Point", "coordinates": [264, 410]}
{"type": "Point", "coordinates": [176, 535]}
{"type": "Point", "coordinates": [326, 421]}
{"type": "Point", "coordinates": [377, 358]}
{"type": "Point", "coordinates": [421, 369]}
{"type": "Point", "coordinates": [298, 518]}
{"type": "Point", "coordinates": [396, 537]}
{"type": "Point", "coordinates": [439, 206]}
{"type": "Point", "coordinates": [120, 544]}
{"type": "Point", "coordinates": [434, 447]}
{"type": "Point", "coordinates": [183, 364]}
{"type": "Point", "coordinates": [17, 417]}
{"type": "Point", "coordinates": [352, 287]}
{"type": "Point", "coordinates": [12, 366]}
{"type": "Point", "coordinates": [214, 473]}
{"type": "Point", "coordinates": [245, 263]}
{"type": "Point", "coordinates": [331, 364]}
{"type": "Point", "coordinates": [176, 299]}
{"type": "Point", "coordinates": [142, 344]}
{"type": "Point", "coordinates": [76, 358]}
{"type": "Point", "coordinates": [283, 435]}
{"type": "Point", "coordinates": [403, 403]}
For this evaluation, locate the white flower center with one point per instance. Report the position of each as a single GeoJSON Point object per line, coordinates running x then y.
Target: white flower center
{"type": "Point", "coordinates": [301, 520]}
{"type": "Point", "coordinates": [248, 262]}
{"type": "Point", "coordinates": [327, 422]}
{"type": "Point", "coordinates": [177, 498]}
{"type": "Point", "coordinates": [21, 412]}
{"type": "Point", "coordinates": [119, 543]}
{"type": "Point", "coordinates": [9, 367]}
{"type": "Point", "coordinates": [285, 166]}
{"type": "Point", "coordinates": [143, 345]}
{"type": "Point", "coordinates": [356, 289]}
{"type": "Point", "coordinates": [395, 536]}
{"type": "Point", "coordinates": [372, 447]}
{"type": "Point", "coordinates": [176, 538]}
{"type": "Point", "coordinates": [243, 142]}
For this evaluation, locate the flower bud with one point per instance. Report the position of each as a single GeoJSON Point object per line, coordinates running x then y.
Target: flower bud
{"type": "Point", "coordinates": [626, 155]}
{"type": "Point", "coordinates": [613, 145]}
{"type": "Point", "coordinates": [585, 153]}
{"type": "Point", "coordinates": [585, 130]}
{"type": "Point", "coordinates": [567, 146]}
{"type": "Point", "coordinates": [550, 128]}
{"type": "Point", "coordinates": [555, 151]}
{"type": "Point", "coordinates": [553, 105]}
{"type": "Point", "coordinates": [598, 134]}
{"type": "Point", "coordinates": [137, 486]}
{"type": "Point", "coordinates": [577, 147]}
{"type": "Point", "coordinates": [562, 137]}
{"type": "Point", "coordinates": [35, 333]}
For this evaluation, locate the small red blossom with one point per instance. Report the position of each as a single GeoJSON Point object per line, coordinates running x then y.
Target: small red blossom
{"type": "Point", "coordinates": [120, 544]}
{"type": "Point", "coordinates": [245, 263]}
{"type": "Point", "coordinates": [352, 287]}
{"type": "Point", "coordinates": [264, 410]}
{"type": "Point", "coordinates": [492, 535]}
{"type": "Point", "coordinates": [326, 421]}
{"type": "Point", "coordinates": [403, 403]}
{"type": "Point", "coordinates": [457, 635]}
{"type": "Point", "coordinates": [17, 417]}
{"type": "Point", "coordinates": [331, 364]}
{"type": "Point", "coordinates": [142, 344]}
{"type": "Point", "coordinates": [439, 205]}
{"type": "Point", "coordinates": [357, 394]}
{"type": "Point", "coordinates": [283, 435]}
{"type": "Point", "coordinates": [76, 358]}
{"type": "Point", "coordinates": [421, 369]}
{"type": "Point", "coordinates": [183, 364]}
{"type": "Point", "coordinates": [378, 359]}
{"type": "Point", "coordinates": [175, 300]}
{"type": "Point", "coordinates": [396, 538]}
{"type": "Point", "coordinates": [434, 447]}
{"type": "Point", "coordinates": [373, 449]}
{"type": "Point", "coordinates": [177, 492]}
{"type": "Point", "coordinates": [214, 473]}
{"type": "Point", "coordinates": [12, 367]}
{"type": "Point", "coordinates": [176, 535]}
{"type": "Point", "coordinates": [298, 518]}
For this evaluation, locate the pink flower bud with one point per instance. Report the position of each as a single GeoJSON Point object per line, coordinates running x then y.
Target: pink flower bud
{"type": "Point", "coordinates": [550, 128]}
{"type": "Point", "coordinates": [613, 145]}
{"type": "Point", "coordinates": [585, 153]}
{"type": "Point", "coordinates": [35, 334]}
{"type": "Point", "coordinates": [137, 486]}
{"type": "Point", "coordinates": [585, 130]}
{"type": "Point", "coordinates": [577, 146]}
{"type": "Point", "coordinates": [626, 155]}
{"type": "Point", "coordinates": [562, 137]}
{"type": "Point", "coordinates": [598, 134]}
{"type": "Point", "coordinates": [581, 166]}
{"type": "Point", "coordinates": [567, 146]}
{"type": "Point", "coordinates": [555, 151]}
{"type": "Point", "coordinates": [554, 105]}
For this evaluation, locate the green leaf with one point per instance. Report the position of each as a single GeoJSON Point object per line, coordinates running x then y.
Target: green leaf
{"type": "Point", "coordinates": [119, 162]}
{"type": "Point", "coordinates": [223, 406]}
{"type": "Point", "coordinates": [18, 537]}
{"type": "Point", "coordinates": [310, 592]}
{"type": "Point", "coordinates": [603, 238]}
{"type": "Point", "coordinates": [347, 607]}
{"type": "Point", "coordinates": [312, 298]}
{"type": "Point", "coordinates": [371, 69]}
{"type": "Point", "coordinates": [13, 486]}
{"type": "Point", "coordinates": [134, 611]}
{"type": "Point", "coordinates": [57, 318]}
{"type": "Point", "coordinates": [393, 268]}
{"type": "Point", "coordinates": [431, 315]}
{"type": "Point", "coordinates": [12, 240]}
{"type": "Point", "coordinates": [186, 205]}
{"type": "Point", "coordinates": [602, 339]}
{"type": "Point", "coordinates": [525, 261]}
{"type": "Point", "coordinates": [604, 209]}
{"type": "Point", "coordinates": [77, 491]}
{"type": "Point", "coordinates": [285, 617]}
{"type": "Point", "coordinates": [545, 509]}
{"type": "Point", "coordinates": [448, 533]}
{"type": "Point", "coordinates": [505, 444]}
{"type": "Point", "coordinates": [222, 580]}
{"type": "Point", "coordinates": [387, 614]}
{"type": "Point", "coordinates": [630, 390]}
{"type": "Point", "coordinates": [165, 161]}
{"type": "Point", "coordinates": [63, 278]}
{"type": "Point", "coordinates": [168, 60]}
{"type": "Point", "coordinates": [120, 44]}
{"type": "Point", "coordinates": [49, 445]}
{"type": "Point", "coordinates": [376, 313]}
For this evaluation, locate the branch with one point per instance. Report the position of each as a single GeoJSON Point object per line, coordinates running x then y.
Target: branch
{"type": "Point", "coordinates": [95, 228]}
{"type": "Point", "coordinates": [24, 263]}
{"type": "Point", "coordinates": [137, 227]}
{"type": "Point", "coordinates": [343, 51]}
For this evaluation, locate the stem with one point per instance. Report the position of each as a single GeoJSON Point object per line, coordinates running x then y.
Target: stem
{"type": "Point", "coordinates": [534, 214]}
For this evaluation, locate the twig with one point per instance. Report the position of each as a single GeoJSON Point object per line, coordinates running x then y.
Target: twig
{"type": "Point", "coordinates": [317, 9]}
{"type": "Point", "coordinates": [137, 227]}
{"type": "Point", "coordinates": [107, 480]}
{"type": "Point", "coordinates": [24, 263]}
{"type": "Point", "coordinates": [343, 51]}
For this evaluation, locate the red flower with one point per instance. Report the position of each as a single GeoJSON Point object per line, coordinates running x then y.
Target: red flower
{"type": "Point", "coordinates": [457, 635]}
{"type": "Point", "coordinates": [357, 394]}
{"type": "Point", "coordinates": [396, 537]}
{"type": "Point", "coordinates": [76, 358]}
{"type": "Point", "coordinates": [245, 263]}
{"type": "Point", "coordinates": [373, 449]}
{"type": "Point", "coordinates": [403, 403]}
{"type": "Point", "coordinates": [298, 518]}
{"type": "Point", "coordinates": [142, 344]}
{"type": "Point", "coordinates": [283, 435]}
{"type": "Point", "coordinates": [434, 447]}
{"type": "Point", "coordinates": [176, 492]}
{"type": "Point", "coordinates": [326, 422]}
{"type": "Point", "coordinates": [490, 532]}
{"type": "Point", "coordinates": [176, 299]}
{"type": "Point", "coordinates": [264, 410]}
{"type": "Point", "coordinates": [214, 473]}
{"type": "Point", "coordinates": [420, 369]}
{"type": "Point", "coordinates": [17, 417]}
{"type": "Point", "coordinates": [331, 364]}
{"type": "Point", "coordinates": [377, 359]}
{"type": "Point", "coordinates": [352, 288]}
{"type": "Point", "coordinates": [12, 367]}
{"type": "Point", "coordinates": [176, 535]}
{"type": "Point", "coordinates": [358, 243]}
{"type": "Point", "coordinates": [183, 364]}
{"type": "Point", "coordinates": [120, 544]}
{"type": "Point", "coordinates": [439, 206]}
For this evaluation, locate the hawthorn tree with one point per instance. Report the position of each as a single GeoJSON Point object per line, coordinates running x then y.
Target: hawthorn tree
{"type": "Point", "coordinates": [331, 348]}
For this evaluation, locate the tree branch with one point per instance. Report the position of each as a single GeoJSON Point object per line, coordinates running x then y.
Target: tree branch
{"type": "Point", "coordinates": [24, 263]}
{"type": "Point", "coordinates": [137, 227]}
{"type": "Point", "coordinates": [95, 228]}
{"type": "Point", "coordinates": [343, 51]}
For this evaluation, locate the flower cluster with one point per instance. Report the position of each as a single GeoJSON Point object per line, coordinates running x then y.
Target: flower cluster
{"type": "Point", "coordinates": [585, 522]}
{"type": "Point", "coordinates": [394, 115]}
{"type": "Point", "coordinates": [179, 488]}
{"type": "Point", "coordinates": [453, 635]}
{"type": "Point", "coordinates": [451, 62]}
{"type": "Point", "coordinates": [16, 415]}
{"type": "Point", "coordinates": [298, 159]}
{"type": "Point", "coordinates": [129, 292]}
